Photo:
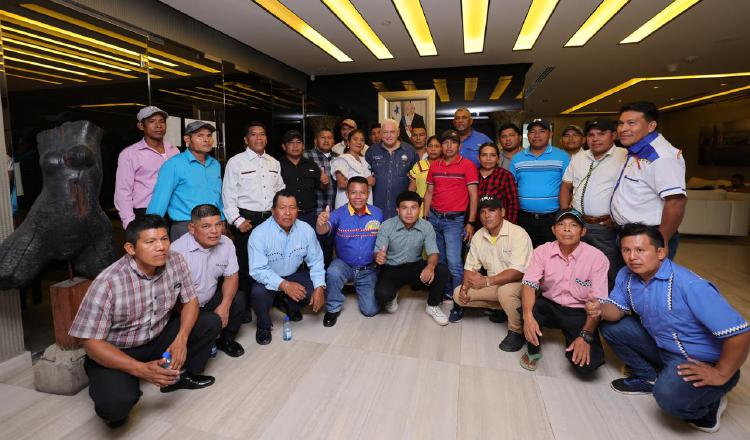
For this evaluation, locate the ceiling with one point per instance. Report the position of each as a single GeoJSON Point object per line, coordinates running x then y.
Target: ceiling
{"type": "Point", "coordinates": [711, 37]}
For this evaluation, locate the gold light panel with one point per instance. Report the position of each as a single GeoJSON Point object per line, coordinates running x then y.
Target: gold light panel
{"type": "Point", "coordinates": [600, 17]}
{"type": "Point", "coordinates": [672, 11]}
{"type": "Point", "coordinates": [502, 83]}
{"type": "Point", "coordinates": [474, 19]}
{"type": "Point", "coordinates": [470, 88]}
{"type": "Point", "coordinates": [539, 12]}
{"type": "Point", "coordinates": [412, 15]}
{"type": "Point", "coordinates": [441, 87]}
{"type": "Point", "coordinates": [350, 16]}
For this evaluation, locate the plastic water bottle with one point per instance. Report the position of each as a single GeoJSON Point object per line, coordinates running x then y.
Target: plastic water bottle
{"type": "Point", "coordinates": [287, 332]}
{"type": "Point", "coordinates": [167, 356]}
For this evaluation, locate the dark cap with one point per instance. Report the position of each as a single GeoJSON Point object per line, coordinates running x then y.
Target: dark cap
{"type": "Point", "coordinates": [488, 201]}
{"type": "Point", "coordinates": [290, 135]}
{"type": "Point", "coordinates": [569, 212]}
{"type": "Point", "coordinates": [450, 134]}
{"type": "Point", "coordinates": [575, 128]}
{"type": "Point", "coordinates": [603, 124]}
{"type": "Point", "coordinates": [539, 122]}
{"type": "Point", "coordinates": [197, 125]}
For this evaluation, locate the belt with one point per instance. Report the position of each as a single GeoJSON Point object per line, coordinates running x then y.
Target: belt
{"type": "Point", "coordinates": [592, 219]}
{"type": "Point", "coordinates": [448, 215]}
{"type": "Point", "coordinates": [256, 214]}
{"type": "Point", "coordinates": [367, 266]}
{"type": "Point", "coordinates": [537, 215]}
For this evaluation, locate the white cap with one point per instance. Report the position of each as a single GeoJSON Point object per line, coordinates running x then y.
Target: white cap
{"type": "Point", "coordinates": [147, 112]}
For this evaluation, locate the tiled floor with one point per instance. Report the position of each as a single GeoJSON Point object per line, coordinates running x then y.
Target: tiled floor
{"type": "Point", "coordinates": [396, 376]}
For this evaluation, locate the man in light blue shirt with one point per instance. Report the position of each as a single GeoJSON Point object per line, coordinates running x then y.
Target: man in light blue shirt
{"type": "Point", "coordinates": [471, 139]}
{"type": "Point", "coordinates": [187, 180]}
{"type": "Point", "coordinates": [276, 250]}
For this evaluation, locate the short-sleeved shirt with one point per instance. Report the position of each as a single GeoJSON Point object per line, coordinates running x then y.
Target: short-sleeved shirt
{"type": "Point", "coordinates": [418, 174]}
{"type": "Point", "coordinates": [405, 245]}
{"type": "Point", "coordinates": [685, 314]}
{"type": "Point", "coordinates": [450, 182]}
{"type": "Point", "coordinates": [594, 180]}
{"type": "Point", "coordinates": [539, 178]}
{"type": "Point", "coordinates": [391, 172]}
{"type": "Point", "coordinates": [302, 180]}
{"type": "Point", "coordinates": [569, 282]}
{"type": "Point", "coordinates": [653, 170]}
{"type": "Point", "coordinates": [511, 249]}
{"type": "Point", "coordinates": [349, 166]}
{"type": "Point", "coordinates": [207, 265]}
{"type": "Point", "coordinates": [355, 234]}
{"type": "Point", "coordinates": [127, 308]}
{"type": "Point", "coordinates": [470, 146]}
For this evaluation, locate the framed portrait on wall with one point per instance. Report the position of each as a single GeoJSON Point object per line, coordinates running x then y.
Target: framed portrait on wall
{"type": "Point", "coordinates": [411, 108]}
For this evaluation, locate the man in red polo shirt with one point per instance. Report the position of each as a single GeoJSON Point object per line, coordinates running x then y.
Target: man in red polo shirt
{"type": "Point", "coordinates": [451, 189]}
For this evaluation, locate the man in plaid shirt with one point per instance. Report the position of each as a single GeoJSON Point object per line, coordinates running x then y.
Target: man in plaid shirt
{"type": "Point", "coordinates": [322, 156]}
{"type": "Point", "coordinates": [126, 321]}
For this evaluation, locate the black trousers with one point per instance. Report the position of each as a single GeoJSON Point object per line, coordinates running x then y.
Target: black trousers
{"type": "Point", "coordinates": [240, 245]}
{"type": "Point", "coordinates": [539, 229]}
{"type": "Point", "coordinates": [263, 299]}
{"type": "Point", "coordinates": [392, 278]}
{"type": "Point", "coordinates": [236, 312]}
{"type": "Point", "coordinates": [115, 392]}
{"type": "Point", "coordinates": [570, 320]}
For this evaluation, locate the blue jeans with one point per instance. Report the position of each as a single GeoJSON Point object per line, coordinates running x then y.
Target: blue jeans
{"type": "Point", "coordinates": [340, 273]}
{"type": "Point", "coordinates": [449, 234]}
{"type": "Point", "coordinates": [635, 347]}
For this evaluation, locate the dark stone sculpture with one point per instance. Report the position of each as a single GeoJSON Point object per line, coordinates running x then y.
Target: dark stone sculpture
{"type": "Point", "coordinates": [65, 222]}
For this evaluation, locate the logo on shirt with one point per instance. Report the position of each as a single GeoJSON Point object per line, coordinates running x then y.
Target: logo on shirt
{"type": "Point", "coordinates": [372, 225]}
{"type": "Point", "coordinates": [584, 283]}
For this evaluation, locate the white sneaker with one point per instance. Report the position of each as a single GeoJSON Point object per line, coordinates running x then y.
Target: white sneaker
{"type": "Point", "coordinates": [437, 314]}
{"type": "Point", "coordinates": [392, 305]}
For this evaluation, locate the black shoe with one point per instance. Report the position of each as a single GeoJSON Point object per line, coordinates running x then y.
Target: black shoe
{"type": "Point", "coordinates": [231, 348]}
{"type": "Point", "coordinates": [114, 424]}
{"type": "Point", "coordinates": [189, 381]}
{"type": "Point", "coordinates": [513, 342]}
{"type": "Point", "coordinates": [498, 316]}
{"type": "Point", "coordinates": [295, 316]}
{"type": "Point", "coordinates": [247, 316]}
{"type": "Point", "coordinates": [263, 336]}
{"type": "Point", "coordinates": [280, 303]}
{"type": "Point", "coordinates": [329, 320]}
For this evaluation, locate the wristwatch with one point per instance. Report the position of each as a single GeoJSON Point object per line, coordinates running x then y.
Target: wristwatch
{"type": "Point", "coordinates": [587, 337]}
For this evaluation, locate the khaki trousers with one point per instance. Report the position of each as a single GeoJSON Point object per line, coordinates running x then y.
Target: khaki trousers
{"type": "Point", "coordinates": [506, 297]}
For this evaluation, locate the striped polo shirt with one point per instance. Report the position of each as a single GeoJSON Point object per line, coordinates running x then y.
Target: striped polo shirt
{"type": "Point", "coordinates": [450, 182]}
{"type": "Point", "coordinates": [539, 178]}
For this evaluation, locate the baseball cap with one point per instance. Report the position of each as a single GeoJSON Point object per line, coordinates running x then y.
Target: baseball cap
{"type": "Point", "coordinates": [291, 134]}
{"type": "Point", "coordinates": [197, 125]}
{"type": "Point", "coordinates": [569, 212]}
{"type": "Point", "coordinates": [575, 128]}
{"type": "Point", "coordinates": [603, 124]}
{"type": "Point", "coordinates": [148, 111]}
{"type": "Point", "coordinates": [539, 122]}
{"type": "Point", "coordinates": [349, 122]}
{"type": "Point", "coordinates": [450, 134]}
{"type": "Point", "coordinates": [488, 201]}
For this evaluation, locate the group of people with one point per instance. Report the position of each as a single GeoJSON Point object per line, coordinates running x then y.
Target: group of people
{"type": "Point", "coordinates": [576, 239]}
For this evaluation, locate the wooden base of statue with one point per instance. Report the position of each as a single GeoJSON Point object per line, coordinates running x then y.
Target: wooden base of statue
{"type": "Point", "coordinates": [65, 298]}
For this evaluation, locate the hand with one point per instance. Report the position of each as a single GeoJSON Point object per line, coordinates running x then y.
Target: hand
{"type": "Point", "coordinates": [323, 217]}
{"type": "Point", "coordinates": [245, 226]}
{"type": "Point", "coordinates": [608, 222]}
{"type": "Point", "coordinates": [318, 299]}
{"type": "Point", "coordinates": [468, 231]}
{"type": "Point", "coordinates": [427, 275]}
{"type": "Point", "coordinates": [380, 256]}
{"type": "Point", "coordinates": [371, 180]}
{"type": "Point", "coordinates": [155, 373]}
{"type": "Point", "coordinates": [463, 294]}
{"type": "Point", "coordinates": [593, 308]}
{"type": "Point", "coordinates": [581, 352]}
{"type": "Point", "coordinates": [324, 179]}
{"type": "Point", "coordinates": [701, 374]}
{"type": "Point", "coordinates": [178, 350]}
{"type": "Point", "coordinates": [531, 330]}
{"type": "Point", "coordinates": [475, 280]}
{"type": "Point", "coordinates": [223, 312]}
{"type": "Point", "coordinates": [295, 291]}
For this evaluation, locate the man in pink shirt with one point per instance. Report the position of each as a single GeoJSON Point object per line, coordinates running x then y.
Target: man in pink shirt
{"type": "Point", "coordinates": [568, 272]}
{"type": "Point", "coordinates": [138, 165]}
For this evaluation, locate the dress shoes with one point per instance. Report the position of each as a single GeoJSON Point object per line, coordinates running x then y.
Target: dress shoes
{"type": "Point", "coordinates": [189, 381]}
{"type": "Point", "coordinates": [263, 336]}
{"type": "Point", "coordinates": [295, 316]}
{"type": "Point", "coordinates": [231, 348]}
{"type": "Point", "coordinates": [330, 318]}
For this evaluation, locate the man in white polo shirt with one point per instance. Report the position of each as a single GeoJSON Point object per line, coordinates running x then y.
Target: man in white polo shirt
{"type": "Point", "coordinates": [651, 186]}
{"type": "Point", "coordinates": [587, 186]}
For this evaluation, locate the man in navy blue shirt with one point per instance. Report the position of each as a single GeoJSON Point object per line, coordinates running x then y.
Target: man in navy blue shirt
{"type": "Point", "coordinates": [680, 338]}
{"type": "Point", "coordinates": [471, 139]}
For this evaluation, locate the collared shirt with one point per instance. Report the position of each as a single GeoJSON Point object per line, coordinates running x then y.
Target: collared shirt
{"type": "Point", "coordinates": [502, 185]}
{"type": "Point", "coordinates": [569, 282]}
{"type": "Point", "coordinates": [505, 159]}
{"type": "Point", "coordinates": [340, 148]}
{"type": "Point", "coordinates": [470, 146]}
{"type": "Point", "coordinates": [405, 245]}
{"type": "Point", "coordinates": [418, 174]}
{"type": "Point", "coordinates": [511, 249]}
{"type": "Point", "coordinates": [391, 172]}
{"type": "Point", "coordinates": [325, 197]}
{"type": "Point", "coordinates": [653, 170]}
{"type": "Point", "coordinates": [207, 265]}
{"type": "Point", "coordinates": [450, 182]}
{"type": "Point", "coordinates": [185, 183]}
{"type": "Point", "coordinates": [685, 314]}
{"type": "Point", "coordinates": [539, 178]}
{"type": "Point", "coordinates": [355, 234]}
{"type": "Point", "coordinates": [137, 168]}
{"type": "Point", "coordinates": [127, 308]}
{"type": "Point", "coordinates": [302, 179]}
{"type": "Point", "coordinates": [250, 182]}
{"type": "Point", "coordinates": [274, 254]}
{"type": "Point", "coordinates": [594, 180]}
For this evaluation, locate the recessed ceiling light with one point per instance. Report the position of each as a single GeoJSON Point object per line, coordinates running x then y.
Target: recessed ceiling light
{"type": "Point", "coordinates": [470, 88]}
{"type": "Point", "coordinates": [723, 84]}
{"type": "Point", "coordinates": [656, 87]}
{"type": "Point", "coordinates": [441, 87]}
{"type": "Point", "coordinates": [350, 16]}
{"type": "Point", "coordinates": [502, 83]}
{"type": "Point", "coordinates": [412, 15]}
{"type": "Point", "coordinates": [539, 12]}
{"type": "Point", "coordinates": [600, 17]}
{"type": "Point", "coordinates": [474, 18]}
{"type": "Point", "coordinates": [704, 98]}
{"type": "Point", "coordinates": [666, 15]}
{"type": "Point", "coordinates": [409, 85]}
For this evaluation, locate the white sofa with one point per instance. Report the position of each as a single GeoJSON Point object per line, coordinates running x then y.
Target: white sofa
{"type": "Point", "coordinates": [716, 212]}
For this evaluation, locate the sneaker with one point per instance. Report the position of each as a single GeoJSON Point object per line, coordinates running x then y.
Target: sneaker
{"type": "Point", "coordinates": [632, 385]}
{"type": "Point", "coordinates": [710, 423]}
{"type": "Point", "coordinates": [437, 314]}
{"type": "Point", "coordinates": [457, 313]}
{"type": "Point", "coordinates": [513, 342]}
{"type": "Point", "coordinates": [498, 316]}
{"type": "Point", "coordinates": [392, 305]}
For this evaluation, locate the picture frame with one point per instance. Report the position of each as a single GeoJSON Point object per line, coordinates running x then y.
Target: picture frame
{"type": "Point", "coordinates": [392, 104]}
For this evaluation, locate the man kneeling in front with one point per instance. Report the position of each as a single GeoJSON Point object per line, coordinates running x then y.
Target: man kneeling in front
{"type": "Point", "coordinates": [680, 338]}
{"type": "Point", "coordinates": [128, 319]}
